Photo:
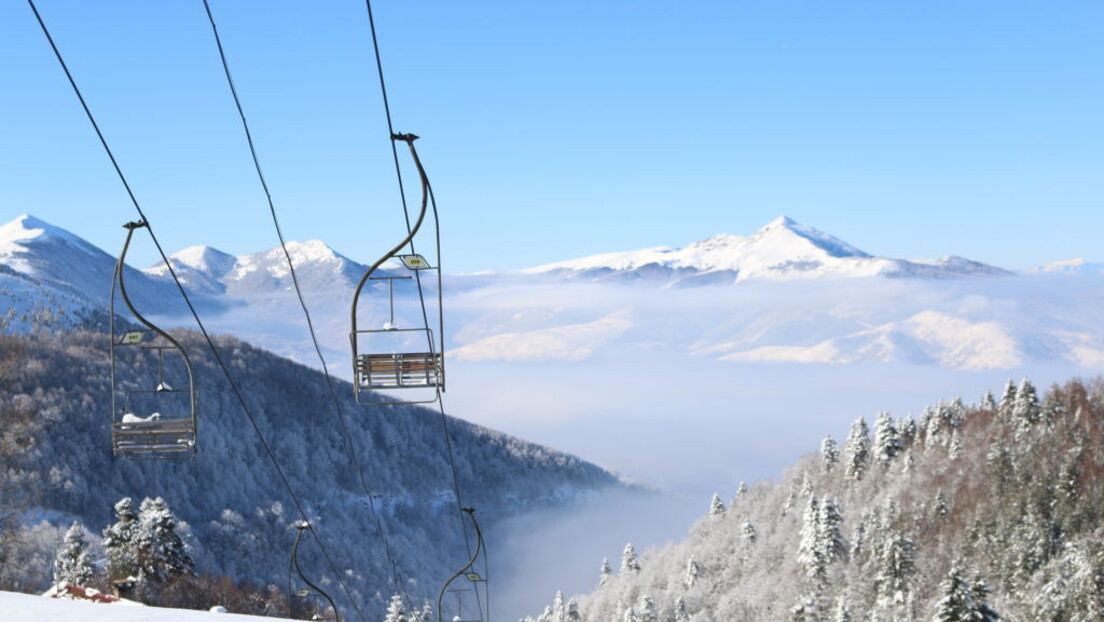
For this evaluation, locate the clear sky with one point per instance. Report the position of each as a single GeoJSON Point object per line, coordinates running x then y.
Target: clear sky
{"type": "Point", "coordinates": [553, 130]}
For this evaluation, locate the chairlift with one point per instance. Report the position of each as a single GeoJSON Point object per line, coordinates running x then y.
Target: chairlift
{"type": "Point", "coordinates": [401, 354]}
{"type": "Point", "coordinates": [159, 421]}
{"type": "Point", "coordinates": [478, 583]}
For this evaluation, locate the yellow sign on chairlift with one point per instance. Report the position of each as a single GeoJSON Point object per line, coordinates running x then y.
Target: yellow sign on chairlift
{"type": "Point", "coordinates": [473, 577]}
{"type": "Point", "coordinates": [132, 337]}
{"type": "Point", "coordinates": [414, 262]}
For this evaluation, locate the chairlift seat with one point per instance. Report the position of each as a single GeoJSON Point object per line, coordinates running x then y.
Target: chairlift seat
{"type": "Point", "coordinates": [399, 370]}
{"type": "Point", "coordinates": [153, 437]}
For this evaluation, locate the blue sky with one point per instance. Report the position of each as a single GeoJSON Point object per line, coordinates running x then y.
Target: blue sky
{"type": "Point", "coordinates": [556, 130]}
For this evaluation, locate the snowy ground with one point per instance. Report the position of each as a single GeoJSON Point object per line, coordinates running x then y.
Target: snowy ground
{"type": "Point", "coordinates": [27, 607]}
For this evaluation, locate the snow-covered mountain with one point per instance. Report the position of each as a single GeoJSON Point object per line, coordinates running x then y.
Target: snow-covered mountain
{"type": "Point", "coordinates": [75, 272]}
{"type": "Point", "coordinates": [205, 270]}
{"type": "Point", "coordinates": [782, 250]}
{"type": "Point", "coordinates": [1070, 266]}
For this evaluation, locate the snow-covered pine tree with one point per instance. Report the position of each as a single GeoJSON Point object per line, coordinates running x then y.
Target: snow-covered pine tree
{"type": "Point", "coordinates": [741, 490]}
{"type": "Point", "coordinates": [857, 450]}
{"type": "Point", "coordinates": [72, 564]}
{"type": "Point", "coordinates": [887, 440]}
{"type": "Point", "coordinates": [559, 609]}
{"type": "Point", "coordinates": [120, 542]}
{"type": "Point", "coordinates": [716, 506]}
{"type": "Point", "coordinates": [988, 402]}
{"type": "Point", "coordinates": [810, 552]}
{"type": "Point", "coordinates": [843, 612]}
{"type": "Point", "coordinates": [829, 523]}
{"type": "Point", "coordinates": [648, 612]}
{"type": "Point", "coordinates": [680, 614]}
{"type": "Point", "coordinates": [572, 614]}
{"type": "Point", "coordinates": [396, 610]}
{"type": "Point", "coordinates": [829, 453]}
{"type": "Point", "coordinates": [960, 601]}
{"type": "Point", "coordinates": [604, 572]}
{"type": "Point", "coordinates": [162, 553]}
{"type": "Point", "coordinates": [629, 563]}
{"type": "Point", "coordinates": [1025, 410]}
{"type": "Point", "coordinates": [954, 448]}
{"type": "Point", "coordinates": [693, 573]}
{"type": "Point", "coordinates": [750, 535]}
{"type": "Point", "coordinates": [942, 508]}
{"type": "Point", "coordinates": [1007, 401]}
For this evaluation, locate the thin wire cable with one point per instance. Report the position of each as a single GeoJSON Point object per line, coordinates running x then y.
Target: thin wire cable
{"type": "Point", "coordinates": [406, 213]}
{"type": "Point", "coordinates": [398, 171]}
{"type": "Point", "coordinates": [191, 307]}
{"type": "Point", "coordinates": [396, 575]}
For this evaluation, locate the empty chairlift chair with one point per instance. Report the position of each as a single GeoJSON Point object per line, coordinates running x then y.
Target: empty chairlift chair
{"type": "Point", "coordinates": [151, 416]}
{"type": "Point", "coordinates": [401, 354]}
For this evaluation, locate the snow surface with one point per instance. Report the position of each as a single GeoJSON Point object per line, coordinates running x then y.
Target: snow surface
{"type": "Point", "coordinates": [16, 607]}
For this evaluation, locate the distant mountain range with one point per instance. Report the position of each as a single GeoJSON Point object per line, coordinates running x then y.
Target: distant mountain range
{"type": "Point", "coordinates": [786, 293]}
{"type": "Point", "coordinates": [781, 251]}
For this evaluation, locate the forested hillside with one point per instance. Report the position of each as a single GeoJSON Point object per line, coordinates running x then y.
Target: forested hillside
{"type": "Point", "coordinates": [57, 464]}
{"type": "Point", "coordinates": [968, 512]}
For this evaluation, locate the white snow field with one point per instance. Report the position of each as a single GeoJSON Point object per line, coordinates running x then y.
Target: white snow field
{"type": "Point", "coordinates": [29, 607]}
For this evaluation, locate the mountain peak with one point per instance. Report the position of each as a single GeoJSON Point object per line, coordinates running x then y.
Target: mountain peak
{"type": "Point", "coordinates": [783, 233]}
{"type": "Point", "coordinates": [26, 227]}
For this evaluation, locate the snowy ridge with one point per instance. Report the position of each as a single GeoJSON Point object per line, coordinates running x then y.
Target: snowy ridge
{"type": "Point", "coordinates": [782, 250]}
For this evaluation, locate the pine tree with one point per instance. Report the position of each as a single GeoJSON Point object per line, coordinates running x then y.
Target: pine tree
{"type": "Point", "coordinates": [962, 602]}
{"type": "Point", "coordinates": [680, 613]}
{"type": "Point", "coordinates": [829, 453]}
{"type": "Point", "coordinates": [1007, 402]}
{"type": "Point", "coordinates": [1025, 410]}
{"type": "Point", "coordinates": [72, 564]}
{"type": "Point", "coordinates": [954, 448]}
{"type": "Point", "coordinates": [829, 523]}
{"type": "Point", "coordinates": [716, 506]}
{"type": "Point", "coordinates": [396, 610]}
{"type": "Point", "coordinates": [629, 563]}
{"type": "Point", "coordinates": [741, 490]}
{"type": "Point", "coordinates": [693, 573]}
{"type": "Point", "coordinates": [162, 554]}
{"type": "Point", "coordinates": [887, 441]}
{"type": "Point", "coordinates": [750, 535]}
{"type": "Point", "coordinates": [810, 552]}
{"type": "Point", "coordinates": [647, 611]}
{"type": "Point", "coordinates": [121, 542]}
{"type": "Point", "coordinates": [942, 508]}
{"type": "Point", "coordinates": [857, 450]}
{"type": "Point", "coordinates": [896, 565]}
{"type": "Point", "coordinates": [604, 572]}
{"type": "Point", "coordinates": [559, 610]}
{"type": "Point", "coordinates": [572, 614]}
{"type": "Point", "coordinates": [843, 613]}
{"type": "Point", "coordinates": [988, 402]}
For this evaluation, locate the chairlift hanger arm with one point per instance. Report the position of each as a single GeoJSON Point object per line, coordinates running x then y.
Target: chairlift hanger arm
{"type": "Point", "coordinates": [120, 269]}
{"type": "Point", "coordinates": [471, 562]}
{"type": "Point", "coordinates": [409, 140]}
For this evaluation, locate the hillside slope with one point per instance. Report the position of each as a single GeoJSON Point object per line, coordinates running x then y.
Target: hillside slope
{"type": "Point", "coordinates": [999, 503]}
{"type": "Point", "coordinates": [239, 513]}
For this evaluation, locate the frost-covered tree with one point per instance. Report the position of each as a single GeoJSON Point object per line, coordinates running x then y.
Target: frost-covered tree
{"type": "Point", "coordinates": [629, 563]}
{"type": "Point", "coordinates": [988, 402]}
{"type": "Point", "coordinates": [942, 508]}
{"type": "Point", "coordinates": [72, 563]}
{"type": "Point", "coordinates": [829, 453]}
{"type": "Point", "coordinates": [120, 542]}
{"type": "Point", "coordinates": [572, 613]}
{"type": "Point", "coordinates": [559, 608]}
{"type": "Point", "coordinates": [954, 448]}
{"type": "Point", "coordinates": [887, 440]}
{"type": "Point", "coordinates": [857, 450]}
{"type": "Point", "coordinates": [604, 572]}
{"type": "Point", "coordinates": [896, 566]}
{"type": "Point", "coordinates": [679, 613]}
{"type": "Point", "coordinates": [1007, 401]}
{"type": "Point", "coordinates": [962, 602]}
{"type": "Point", "coordinates": [750, 535]}
{"type": "Point", "coordinates": [648, 612]}
{"type": "Point", "coordinates": [810, 550]}
{"type": "Point", "coordinates": [396, 610]}
{"type": "Point", "coordinates": [741, 491]}
{"type": "Point", "coordinates": [843, 612]}
{"type": "Point", "coordinates": [716, 506]}
{"type": "Point", "coordinates": [162, 553]}
{"type": "Point", "coordinates": [693, 573]}
{"type": "Point", "coordinates": [1025, 409]}
{"type": "Point", "coordinates": [829, 535]}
